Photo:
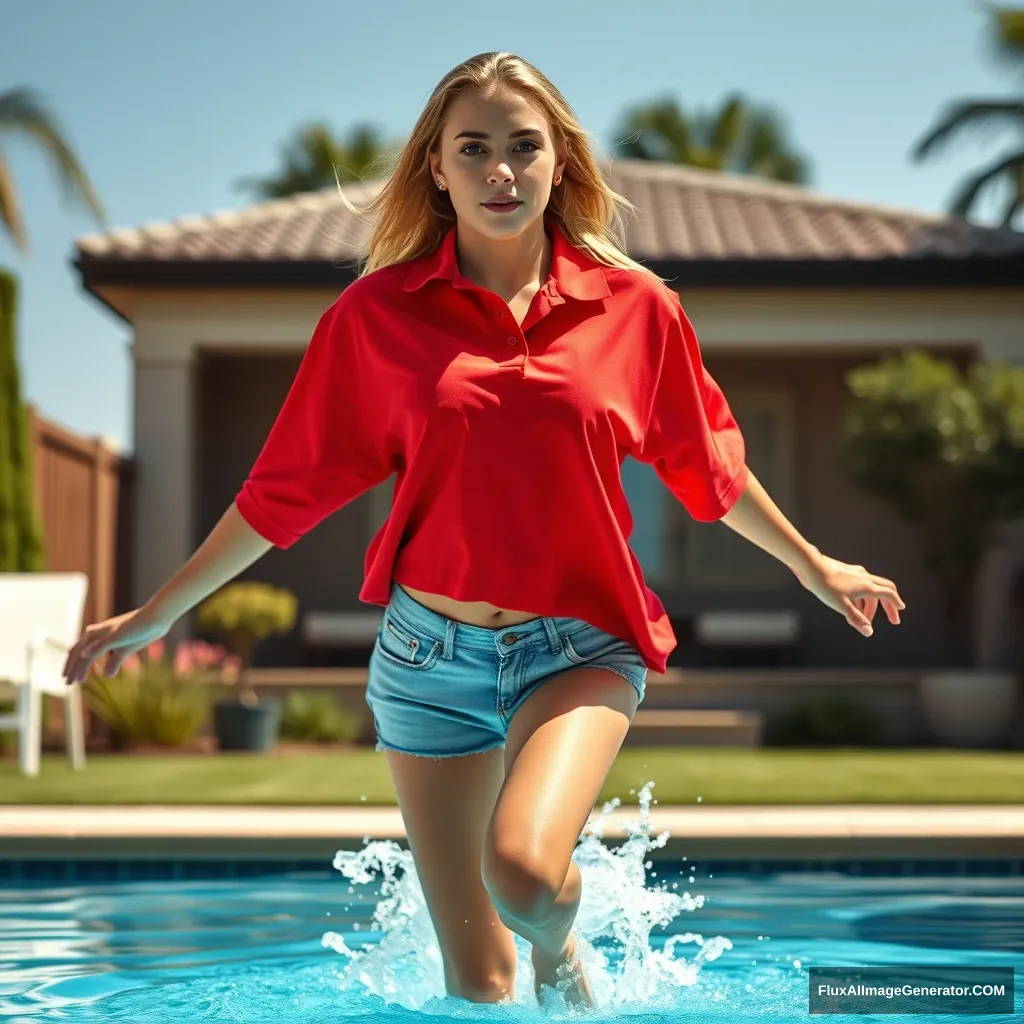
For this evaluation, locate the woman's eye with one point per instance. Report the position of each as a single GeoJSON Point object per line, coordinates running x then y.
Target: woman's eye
{"type": "Point", "coordinates": [525, 142]}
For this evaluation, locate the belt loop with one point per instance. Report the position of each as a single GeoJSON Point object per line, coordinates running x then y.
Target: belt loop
{"type": "Point", "coordinates": [449, 641]}
{"type": "Point", "coordinates": [553, 639]}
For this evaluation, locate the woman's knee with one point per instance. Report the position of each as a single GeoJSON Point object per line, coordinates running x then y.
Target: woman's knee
{"type": "Point", "coordinates": [519, 882]}
{"type": "Point", "coordinates": [481, 983]}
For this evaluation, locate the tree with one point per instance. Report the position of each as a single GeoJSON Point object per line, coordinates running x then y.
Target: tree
{"type": "Point", "coordinates": [1006, 43]}
{"type": "Point", "coordinates": [21, 545]}
{"type": "Point", "coordinates": [738, 137]}
{"type": "Point", "coordinates": [312, 157]}
{"type": "Point", "coordinates": [22, 111]}
{"type": "Point", "coordinates": [946, 450]}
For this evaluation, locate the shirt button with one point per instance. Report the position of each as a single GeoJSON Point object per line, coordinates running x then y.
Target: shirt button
{"type": "Point", "coordinates": [511, 341]}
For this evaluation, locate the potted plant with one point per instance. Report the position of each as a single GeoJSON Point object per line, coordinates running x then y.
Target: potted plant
{"type": "Point", "coordinates": [244, 613]}
{"type": "Point", "coordinates": [154, 701]}
{"type": "Point", "coordinates": [946, 448]}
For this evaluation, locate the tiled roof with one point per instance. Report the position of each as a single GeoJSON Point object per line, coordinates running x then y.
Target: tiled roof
{"type": "Point", "coordinates": [682, 213]}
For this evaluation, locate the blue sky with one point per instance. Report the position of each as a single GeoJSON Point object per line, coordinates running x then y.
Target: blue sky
{"type": "Point", "coordinates": [168, 103]}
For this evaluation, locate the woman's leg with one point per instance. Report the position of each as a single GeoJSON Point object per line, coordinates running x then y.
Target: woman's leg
{"type": "Point", "coordinates": [560, 746]}
{"type": "Point", "coordinates": [446, 805]}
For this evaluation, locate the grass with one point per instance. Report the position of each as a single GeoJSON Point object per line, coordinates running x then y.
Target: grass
{"type": "Point", "coordinates": [360, 776]}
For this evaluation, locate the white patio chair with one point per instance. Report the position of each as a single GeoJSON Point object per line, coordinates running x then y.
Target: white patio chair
{"type": "Point", "coordinates": [40, 619]}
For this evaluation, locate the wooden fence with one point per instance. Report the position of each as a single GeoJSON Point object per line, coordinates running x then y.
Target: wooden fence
{"type": "Point", "coordinates": [83, 498]}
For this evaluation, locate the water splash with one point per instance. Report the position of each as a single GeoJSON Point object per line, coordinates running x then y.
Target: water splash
{"type": "Point", "coordinates": [617, 913]}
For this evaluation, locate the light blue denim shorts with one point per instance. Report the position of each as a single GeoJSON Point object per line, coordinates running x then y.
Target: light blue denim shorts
{"type": "Point", "coordinates": [441, 688]}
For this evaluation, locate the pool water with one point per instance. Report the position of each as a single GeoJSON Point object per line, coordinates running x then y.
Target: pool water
{"type": "Point", "coordinates": [662, 941]}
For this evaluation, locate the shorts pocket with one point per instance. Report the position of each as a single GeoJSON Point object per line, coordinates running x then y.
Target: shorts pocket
{"type": "Point", "coordinates": [586, 645]}
{"type": "Point", "coordinates": [399, 643]}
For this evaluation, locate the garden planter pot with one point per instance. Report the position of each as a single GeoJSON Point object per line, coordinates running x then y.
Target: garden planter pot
{"type": "Point", "coordinates": [243, 728]}
{"type": "Point", "coordinates": [969, 707]}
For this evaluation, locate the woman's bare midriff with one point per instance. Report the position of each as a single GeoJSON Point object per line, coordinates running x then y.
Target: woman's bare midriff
{"type": "Point", "coordinates": [473, 613]}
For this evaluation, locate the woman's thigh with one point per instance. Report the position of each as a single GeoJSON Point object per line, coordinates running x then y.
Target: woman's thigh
{"type": "Point", "coordinates": [446, 805]}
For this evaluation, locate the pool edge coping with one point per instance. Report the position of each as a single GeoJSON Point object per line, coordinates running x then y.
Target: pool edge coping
{"type": "Point", "coordinates": [791, 831]}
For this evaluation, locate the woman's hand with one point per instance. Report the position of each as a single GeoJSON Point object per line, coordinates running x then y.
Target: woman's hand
{"type": "Point", "coordinates": [116, 638]}
{"type": "Point", "coordinates": [852, 591]}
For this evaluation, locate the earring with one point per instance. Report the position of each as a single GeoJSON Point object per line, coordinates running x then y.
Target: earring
{"type": "Point", "coordinates": [440, 186]}
{"type": "Point", "coordinates": [558, 179]}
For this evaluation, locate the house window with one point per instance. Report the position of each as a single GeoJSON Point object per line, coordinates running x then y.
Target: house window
{"type": "Point", "coordinates": [676, 551]}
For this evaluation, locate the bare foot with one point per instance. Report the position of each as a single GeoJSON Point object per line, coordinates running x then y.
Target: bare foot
{"type": "Point", "coordinates": [552, 971]}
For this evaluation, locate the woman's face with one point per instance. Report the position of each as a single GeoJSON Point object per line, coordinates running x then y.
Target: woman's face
{"type": "Point", "coordinates": [486, 149]}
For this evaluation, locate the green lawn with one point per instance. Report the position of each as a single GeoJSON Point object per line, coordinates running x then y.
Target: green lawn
{"type": "Point", "coordinates": [716, 775]}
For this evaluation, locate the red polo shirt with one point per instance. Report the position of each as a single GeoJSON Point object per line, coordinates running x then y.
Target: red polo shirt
{"type": "Point", "coordinates": [507, 440]}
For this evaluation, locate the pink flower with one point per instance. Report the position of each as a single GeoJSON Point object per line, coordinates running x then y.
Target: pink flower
{"type": "Point", "coordinates": [207, 654]}
{"type": "Point", "coordinates": [155, 650]}
{"type": "Point", "coordinates": [184, 660]}
{"type": "Point", "coordinates": [231, 668]}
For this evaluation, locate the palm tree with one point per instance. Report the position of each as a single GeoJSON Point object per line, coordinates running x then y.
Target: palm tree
{"type": "Point", "coordinates": [1006, 42]}
{"type": "Point", "coordinates": [313, 157]}
{"type": "Point", "coordinates": [738, 137]}
{"type": "Point", "coordinates": [21, 110]}
{"type": "Point", "coordinates": [21, 536]}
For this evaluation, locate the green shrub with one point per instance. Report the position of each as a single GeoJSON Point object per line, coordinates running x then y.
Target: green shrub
{"type": "Point", "coordinates": [154, 700]}
{"type": "Point", "coordinates": [317, 718]}
{"type": "Point", "coordinates": [946, 449]}
{"type": "Point", "coordinates": [835, 720]}
{"type": "Point", "coordinates": [243, 614]}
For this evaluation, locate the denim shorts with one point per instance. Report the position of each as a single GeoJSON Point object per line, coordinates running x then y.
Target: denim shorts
{"type": "Point", "coordinates": [441, 688]}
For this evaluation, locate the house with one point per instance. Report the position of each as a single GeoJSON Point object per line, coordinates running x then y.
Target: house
{"type": "Point", "coordinates": [787, 290]}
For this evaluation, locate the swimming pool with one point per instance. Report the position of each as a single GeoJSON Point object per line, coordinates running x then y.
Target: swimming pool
{"type": "Point", "coordinates": [667, 940]}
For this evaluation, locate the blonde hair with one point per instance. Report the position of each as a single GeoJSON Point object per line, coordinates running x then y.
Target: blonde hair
{"type": "Point", "coordinates": [413, 215]}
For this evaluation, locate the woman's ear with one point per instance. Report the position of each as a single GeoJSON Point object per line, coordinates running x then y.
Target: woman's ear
{"type": "Point", "coordinates": [435, 168]}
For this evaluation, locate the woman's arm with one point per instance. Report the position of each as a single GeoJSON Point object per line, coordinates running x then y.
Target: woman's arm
{"type": "Point", "coordinates": [849, 589]}
{"type": "Point", "coordinates": [757, 518]}
{"type": "Point", "coordinates": [231, 546]}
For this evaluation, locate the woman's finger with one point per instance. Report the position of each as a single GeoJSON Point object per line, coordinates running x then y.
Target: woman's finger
{"type": "Point", "coordinates": [93, 651]}
{"type": "Point", "coordinates": [856, 618]}
{"type": "Point", "coordinates": [888, 584]}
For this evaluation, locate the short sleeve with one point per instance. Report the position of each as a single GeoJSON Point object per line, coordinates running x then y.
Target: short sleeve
{"type": "Point", "coordinates": [691, 437]}
{"type": "Point", "coordinates": [327, 445]}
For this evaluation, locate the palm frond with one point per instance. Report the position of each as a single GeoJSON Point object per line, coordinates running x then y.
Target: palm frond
{"type": "Point", "coordinates": [726, 129]}
{"type": "Point", "coordinates": [964, 115]}
{"type": "Point", "coordinates": [1006, 33]}
{"type": "Point", "coordinates": [1016, 200]}
{"type": "Point", "coordinates": [10, 208]}
{"type": "Point", "coordinates": [971, 189]}
{"type": "Point", "coordinates": [22, 111]}
{"type": "Point", "coordinates": [314, 159]}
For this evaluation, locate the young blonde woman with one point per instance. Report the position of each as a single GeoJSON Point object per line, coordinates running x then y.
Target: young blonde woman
{"type": "Point", "coordinates": [502, 360]}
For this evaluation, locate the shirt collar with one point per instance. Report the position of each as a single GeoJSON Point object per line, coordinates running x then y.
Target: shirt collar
{"type": "Point", "coordinates": [573, 272]}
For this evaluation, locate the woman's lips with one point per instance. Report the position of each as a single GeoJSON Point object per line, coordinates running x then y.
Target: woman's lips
{"type": "Point", "coordinates": [502, 207]}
